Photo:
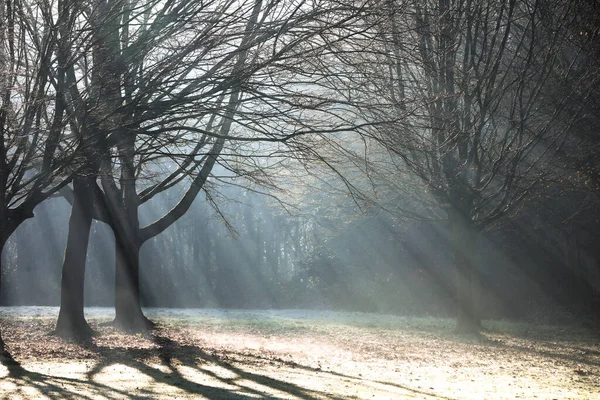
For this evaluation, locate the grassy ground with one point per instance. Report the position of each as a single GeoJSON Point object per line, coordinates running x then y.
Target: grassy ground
{"type": "Point", "coordinates": [245, 355]}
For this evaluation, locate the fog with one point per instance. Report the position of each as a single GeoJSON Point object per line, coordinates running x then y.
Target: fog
{"type": "Point", "coordinates": [256, 255]}
{"type": "Point", "coordinates": [273, 155]}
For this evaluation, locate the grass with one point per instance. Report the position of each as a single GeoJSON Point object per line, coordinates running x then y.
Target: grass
{"type": "Point", "coordinates": [245, 354]}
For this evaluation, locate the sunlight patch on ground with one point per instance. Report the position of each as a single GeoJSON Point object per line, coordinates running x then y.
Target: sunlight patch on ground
{"type": "Point", "coordinates": [212, 382]}
{"type": "Point", "coordinates": [365, 357]}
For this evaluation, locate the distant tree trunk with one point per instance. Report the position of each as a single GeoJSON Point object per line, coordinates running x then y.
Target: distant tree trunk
{"type": "Point", "coordinates": [9, 219]}
{"type": "Point", "coordinates": [3, 240]}
{"type": "Point", "coordinates": [24, 292]}
{"type": "Point", "coordinates": [199, 262]}
{"type": "Point", "coordinates": [71, 321]}
{"type": "Point", "coordinates": [465, 259]}
{"type": "Point", "coordinates": [6, 229]}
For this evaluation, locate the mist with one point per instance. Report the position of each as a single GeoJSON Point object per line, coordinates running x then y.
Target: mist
{"type": "Point", "coordinates": [253, 254]}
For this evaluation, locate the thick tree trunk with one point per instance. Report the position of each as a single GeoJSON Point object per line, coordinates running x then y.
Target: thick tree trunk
{"type": "Point", "coordinates": [122, 208]}
{"type": "Point", "coordinates": [125, 226]}
{"type": "Point", "coordinates": [71, 322]}
{"type": "Point", "coordinates": [128, 305]}
{"type": "Point", "coordinates": [468, 319]}
{"type": "Point", "coordinates": [128, 310]}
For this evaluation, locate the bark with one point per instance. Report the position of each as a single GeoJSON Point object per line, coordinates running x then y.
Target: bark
{"type": "Point", "coordinates": [71, 322]}
{"type": "Point", "coordinates": [128, 307]}
{"type": "Point", "coordinates": [2, 243]}
{"type": "Point", "coordinates": [128, 310]}
{"type": "Point", "coordinates": [468, 318]}
{"type": "Point", "coordinates": [124, 223]}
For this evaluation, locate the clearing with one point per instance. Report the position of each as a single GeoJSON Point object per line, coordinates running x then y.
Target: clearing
{"type": "Point", "coordinates": [297, 354]}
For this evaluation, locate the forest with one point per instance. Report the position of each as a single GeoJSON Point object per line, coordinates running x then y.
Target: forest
{"type": "Point", "coordinates": [393, 159]}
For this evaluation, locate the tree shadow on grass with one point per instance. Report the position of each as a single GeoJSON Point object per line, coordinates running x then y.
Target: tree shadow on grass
{"type": "Point", "coordinates": [172, 369]}
{"type": "Point", "coordinates": [231, 382]}
{"type": "Point", "coordinates": [313, 370]}
{"type": "Point", "coordinates": [174, 378]}
{"type": "Point", "coordinates": [241, 384]}
{"type": "Point", "coordinates": [55, 387]}
{"type": "Point", "coordinates": [572, 344]}
{"type": "Point", "coordinates": [557, 352]}
{"type": "Point", "coordinates": [227, 368]}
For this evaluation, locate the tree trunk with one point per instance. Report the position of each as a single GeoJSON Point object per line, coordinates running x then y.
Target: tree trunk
{"type": "Point", "coordinates": [465, 258]}
{"type": "Point", "coordinates": [128, 307]}
{"type": "Point", "coordinates": [128, 310]}
{"type": "Point", "coordinates": [71, 322]}
{"type": "Point", "coordinates": [3, 240]}
{"type": "Point", "coordinates": [125, 226]}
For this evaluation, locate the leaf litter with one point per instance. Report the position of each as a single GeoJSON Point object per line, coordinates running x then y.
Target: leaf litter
{"type": "Point", "coordinates": [278, 357]}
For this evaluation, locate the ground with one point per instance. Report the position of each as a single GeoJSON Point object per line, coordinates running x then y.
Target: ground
{"type": "Point", "coordinates": [300, 355]}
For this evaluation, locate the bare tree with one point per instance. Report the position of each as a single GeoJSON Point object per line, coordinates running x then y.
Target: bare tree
{"type": "Point", "coordinates": [455, 90]}
{"type": "Point", "coordinates": [133, 103]}
{"type": "Point", "coordinates": [38, 151]}
{"type": "Point", "coordinates": [174, 89]}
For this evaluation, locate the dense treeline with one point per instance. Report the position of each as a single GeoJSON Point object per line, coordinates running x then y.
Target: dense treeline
{"type": "Point", "coordinates": [532, 269]}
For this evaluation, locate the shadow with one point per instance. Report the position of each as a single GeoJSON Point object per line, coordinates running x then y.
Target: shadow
{"type": "Point", "coordinates": [205, 375]}
{"type": "Point", "coordinates": [157, 365]}
{"type": "Point", "coordinates": [362, 380]}
{"type": "Point", "coordinates": [225, 367]}
{"type": "Point", "coordinates": [188, 370]}
{"type": "Point", "coordinates": [569, 333]}
{"type": "Point", "coordinates": [185, 370]}
{"type": "Point", "coordinates": [243, 384]}
{"type": "Point", "coordinates": [14, 367]}
{"type": "Point", "coordinates": [574, 348]}
{"type": "Point", "coordinates": [555, 351]}
{"type": "Point", "coordinates": [568, 343]}
{"type": "Point", "coordinates": [56, 387]}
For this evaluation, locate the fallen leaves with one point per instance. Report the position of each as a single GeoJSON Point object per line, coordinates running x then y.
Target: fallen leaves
{"type": "Point", "coordinates": [503, 361]}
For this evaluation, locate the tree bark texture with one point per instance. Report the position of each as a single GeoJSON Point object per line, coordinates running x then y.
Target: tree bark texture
{"type": "Point", "coordinates": [128, 308]}
{"type": "Point", "coordinates": [71, 321]}
{"type": "Point", "coordinates": [467, 281]}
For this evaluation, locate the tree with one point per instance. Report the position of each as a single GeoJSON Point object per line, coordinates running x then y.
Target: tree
{"type": "Point", "coordinates": [456, 91]}
{"type": "Point", "coordinates": [173, 86]}
{"type": "Point", "coordinates": [34, 132]}
{"type": "Point", "coordinates": [138, 102]}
